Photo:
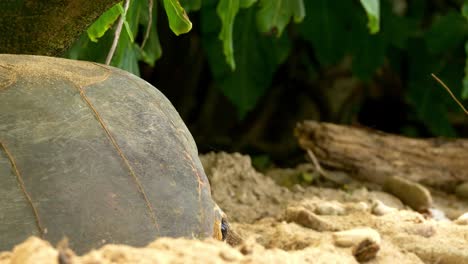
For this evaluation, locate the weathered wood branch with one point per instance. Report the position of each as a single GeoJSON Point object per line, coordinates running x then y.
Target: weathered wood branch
{"type": "Point", "coordinates": [45, 27]}
{"type": "Point", "coordinates": [374, 156]}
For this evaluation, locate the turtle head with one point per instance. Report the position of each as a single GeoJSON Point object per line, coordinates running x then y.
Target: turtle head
{"type": "Point", "coordinates": [222, 230]}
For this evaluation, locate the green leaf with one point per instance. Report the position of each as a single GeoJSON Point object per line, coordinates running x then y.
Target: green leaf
{"type": "Point", "coordinates": [446, 33]}
{"type": "Point", "coordinates": [257, 58]}
{"type": "Point", "coordinates": [104, 23]}
{"type": "Point", "coordinates": [179, 22]}
{"type": "Point", "coordinates": [396, 29]}
{"type": "Point", "coordinates": [464, 9]}
{"type": "Point", "coordinates": [368, 53]}
{"type": "Point", "coordinates": [137, 11]}
{"type": "Point", "coordinates": [431, 102]}
{"type": "Point", "coordinates": [85, 49]}
{"type": "Point", "coordinates": [126, 55]}
{"type": "Point", "coordinates": [274, 15]}
{"type": "Point", "coordinates": [227, 10]}
{"type": "Point", "coordinates": [326, 28]}
{"type": "Point", "coordinates": [464, 93]}
{"type": "Point", "coordinates": [129, 31]}
{"type": "Point", "coordinates": [191, 5]}
{"type": "Point", "coordinates": [372, 8]}
{"type": "Point", "coordinates": [152, 51]}
{"type": "Point", "coordinates": [298, 10]}
{"type": "Point", "coordinates": [247, 3]}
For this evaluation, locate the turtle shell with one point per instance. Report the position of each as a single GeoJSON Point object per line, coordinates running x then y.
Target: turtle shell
{"type": "Point", "coordinates": [94, 154]}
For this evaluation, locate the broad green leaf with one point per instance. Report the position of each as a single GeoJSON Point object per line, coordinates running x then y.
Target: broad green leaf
{"type": "Point", "coordinates": [298, 10]}
{"type": "Point", "coordinates": [464, 9]}
{"type": "Point", "coordinates": [368, 53]}
{"type": "Point", "coordinates": [257, 58]}
{"type": "Point", "coordinates": [152, 51]}
{"type": "Point", "coordinates": [446, 33]}
{"type": "Point", "coordinates": [126, 55]}
{"type": "Point", "coordinates": [247, 3]}
{"type": "Point", "coordinates": [129, 31]}
{"type": "Point", "coordinates": [85, 49]}
{"type": "Point", "coordinates": [136, 12]}
{"type": "Point", "coordinates": [326, 27]}
{"type": "Point", "coordinates": [191, 5]}
{"type": "Point", "coordinates": [396, 29]}
{"type": "Point", "coordinates": [465, 79]}
{"type": "Point", "coordinates": [372, 8]}
{"type": "Point", "coordinates": [274, 15]}
{"type": "Point", "coordinates": [179, 22]}
{"type": "Point", "coordinates": [104, 22]}
{"type": "Point", "coordinates": [430, 102]}
{"type": "Point", "coordinates": [227, 10]}
{"type": "Point", "coordinates": [464, 94]}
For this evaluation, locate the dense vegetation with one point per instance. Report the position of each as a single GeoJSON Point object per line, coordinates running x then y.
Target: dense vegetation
{"type": "Point", "coordinates": [247, 43]}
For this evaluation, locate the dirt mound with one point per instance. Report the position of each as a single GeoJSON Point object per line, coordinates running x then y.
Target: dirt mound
{"type": "Point", "coordinates": [302, 224]}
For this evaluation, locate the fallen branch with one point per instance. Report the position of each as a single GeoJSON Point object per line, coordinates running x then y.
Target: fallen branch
{"type": "Point", "coordinates": [375, 156]}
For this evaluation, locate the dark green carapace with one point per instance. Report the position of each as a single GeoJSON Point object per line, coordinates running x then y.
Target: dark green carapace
{"type": "Point", "coordinates": [94, 154]}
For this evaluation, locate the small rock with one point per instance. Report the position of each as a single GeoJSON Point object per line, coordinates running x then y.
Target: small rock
{"type": "Point", "coordinates": [411, 193]}
{"type": "Point", "coordinates": [330, 208]}
{"type": "Point", "coordinates": [306, 218]}
{"type": "Point", "coordinates": [462, 190]}
{"type": "Point", "coordinates": [366, 250]}
{"type": "Point", "coordinates": [379, 208]}
{"type": "Point", "coordinates": [357, 207]}
{"type": "Point", "coordinates": [354, 237]}
{"type": "Point", "coordinates": [462, 219]}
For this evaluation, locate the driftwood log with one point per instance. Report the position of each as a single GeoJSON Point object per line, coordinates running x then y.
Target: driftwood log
{"type": "Point", "coordinates": [375, 156]}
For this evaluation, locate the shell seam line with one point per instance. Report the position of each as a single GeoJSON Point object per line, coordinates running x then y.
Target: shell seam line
{"type": "Point", "coordinates": [186, 154]}
{"type": "Point", "coordinates": [195, 171]}
{"type": "Point", "coordinates": [121, 154]}
{"type": "Point", "coordinates": [108, 72]}
{"type": "Point", "coordinates": [23, 188]}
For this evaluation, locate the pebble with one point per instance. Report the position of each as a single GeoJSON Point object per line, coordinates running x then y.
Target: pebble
{"type": "Point", "coordinates": [366, 250]}
{"type": "Point", "coordinates": [354, 237]}
{"type": "Point", "coordinates": [365, 242]}
{"type": "Point", "coordinates": [462, 219]}
{"type": "Point", "coordinates": [411, 193]}
{"type": "Point", "coordinates": [379, 208]}
{"type": "Point", "coordinates": [357, 207]}
{"type": "Point", "coordinates": [330, 208]}
{"type": "Point", "coordinates": [306, 218]}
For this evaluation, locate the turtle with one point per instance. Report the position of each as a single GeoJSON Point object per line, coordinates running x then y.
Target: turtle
{"type": "Point", "coordinates": [97, 155]}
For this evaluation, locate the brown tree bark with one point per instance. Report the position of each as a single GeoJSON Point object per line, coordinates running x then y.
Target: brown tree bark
{"type": "Point", "coordinates": [46, 27]}
{"type": "Point", "coordinates": [374, 156]}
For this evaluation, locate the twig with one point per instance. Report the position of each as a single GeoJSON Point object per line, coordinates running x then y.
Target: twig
{"type": "Point", "coordinates": [150, 22]}
{"type": "Point", "coordinates": [118, 30]}
{"type": "Point", "coordinates": [319, 169]}
{"type": "Point", "coordinates": [450, 92]}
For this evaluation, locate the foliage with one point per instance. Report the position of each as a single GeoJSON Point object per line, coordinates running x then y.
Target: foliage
{"type": "Point", "coordinates": [246, 41]}
{"type": "Point", "coordinates": [372, 8]}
